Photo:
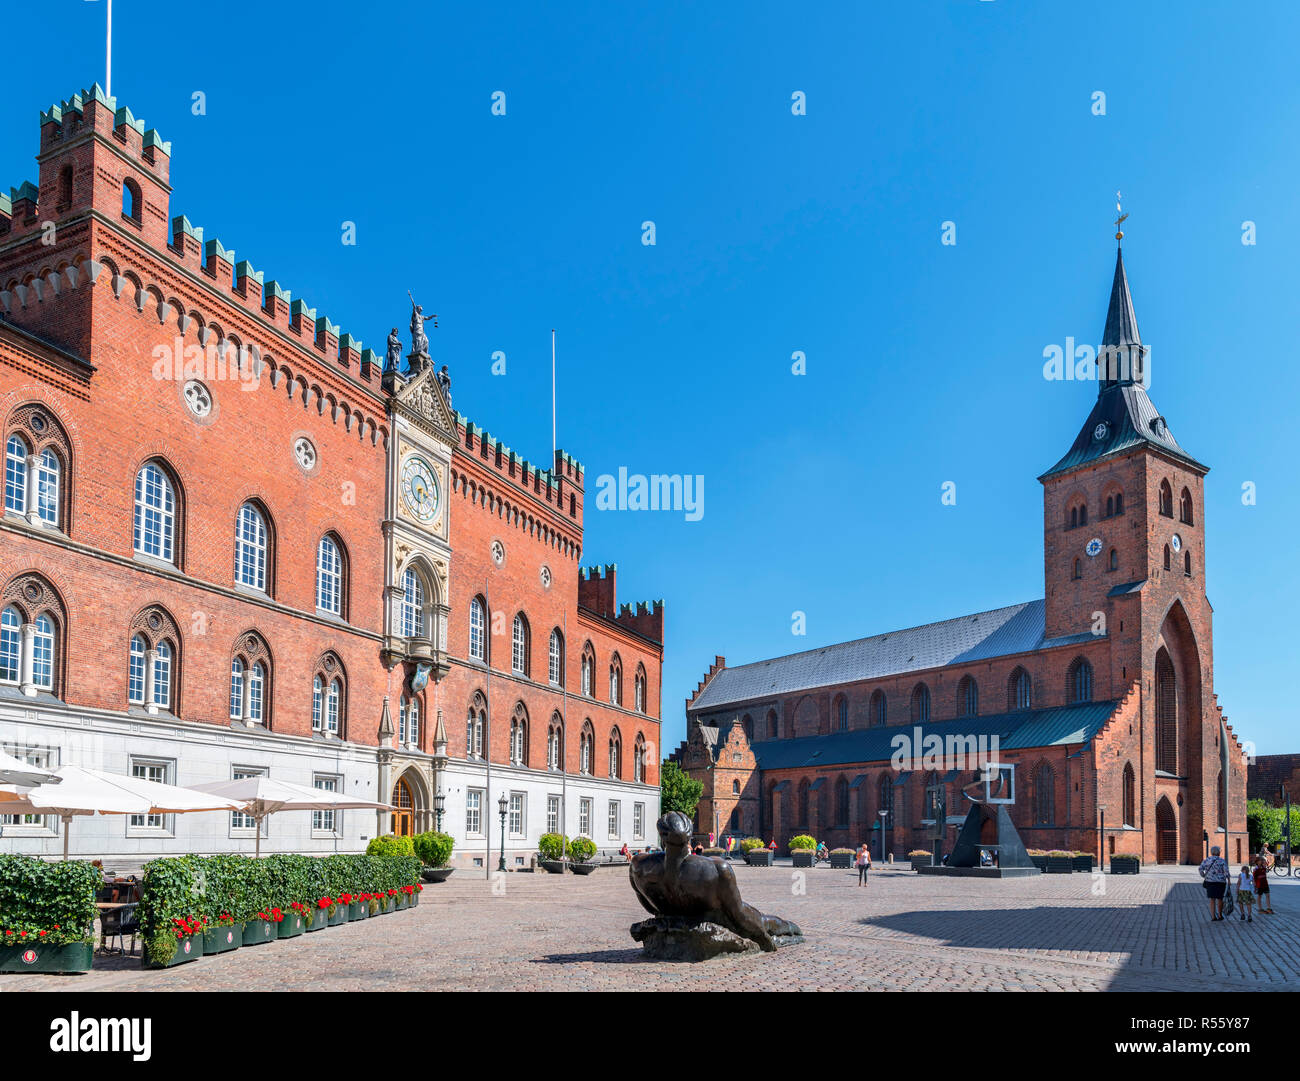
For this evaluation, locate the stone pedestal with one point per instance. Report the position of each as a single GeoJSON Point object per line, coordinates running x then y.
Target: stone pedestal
{"type": "Point", "coordinates": [673, 938]}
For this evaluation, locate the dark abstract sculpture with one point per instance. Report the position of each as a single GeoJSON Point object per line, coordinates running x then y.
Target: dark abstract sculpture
{"type": "Point", "coordinates": [696, 902]}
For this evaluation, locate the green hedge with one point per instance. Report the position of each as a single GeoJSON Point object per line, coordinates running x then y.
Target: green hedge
{"type": "Point", "coordinates": [199, 889]}
{"type": "Point", "coordinates": [49, 902]}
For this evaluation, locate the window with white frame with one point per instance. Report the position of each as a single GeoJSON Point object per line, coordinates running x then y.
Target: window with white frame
{"type": "Point", "coordinates": [587, 745]}
{"type": "Point", "coordinates": [16, 474]}
{"type": "Point", "coordinates": [556, 666]}
{"type": "Point", "coordinates": [519, 739]}
{"type": "Point", "coordinates": [329, 577]}
{"type": "Point", "coordinates": [616, 683]}
{"type": "Point", "coordinates": [519, 646]}
{"type": "Point", "coordinates": [412, 605]}
{"type": "Point", "coordinates": [474, 725]}
{"type": "Point", "coordinates": [555, 746]}
{"type": "Point", "coordinates": [516, 814]}
{"type": "Point", "coordinates": [325, 821]}
{"type": "Point", "coordinates": [333, 702]}
{"type": "Point", "coordinates": [477, 627]}
{"type": "Point", "coordinates": [640, 692]}
{"type": "Point", "coordinates": [552, 814]}
{"type": "Point", "coordinates": [584, 817]}
{"type": "Point", "coordinates": [150, 769]}
{"type": "Point", "coordinates": [239, 820]}
{"type": "Point", "coordinates": [408, 728]}
{"type": "Point", "coordinates": [638, 821]}
{"type": "Point", "coordinates": [250, 548]}
{"type": "Point", "coordinates": [248, 691]}
{"type": "Point", "coordinates": [32, 482]}
{"type": "Point", "coordinates": [588, 672]}
{"type": "Point", "coordinates": [474, 812]}
{"type": "Point", "coordinates": [27, 652]}
{"type": "Point", "coordinates": [155, 514]}
{"type": "Point", "coordinates": [613, 818]}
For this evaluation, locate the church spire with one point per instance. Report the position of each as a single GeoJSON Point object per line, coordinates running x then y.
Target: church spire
{"type": "Point", "coordinates": [1122, 356]}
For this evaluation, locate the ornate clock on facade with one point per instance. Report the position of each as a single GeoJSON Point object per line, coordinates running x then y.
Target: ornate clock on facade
{"type": "Point", "coordinates": [419, 488]}
{"type": "Point", "coordinates": [1094, 547]}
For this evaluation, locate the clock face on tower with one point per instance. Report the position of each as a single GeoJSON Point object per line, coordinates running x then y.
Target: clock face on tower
{"type": "Point", "coordinates": [1176, 543]}
{"type": "Point", "coordinates": [419, 488]}
{"type": "Point", "coordinates": [1094, 547]}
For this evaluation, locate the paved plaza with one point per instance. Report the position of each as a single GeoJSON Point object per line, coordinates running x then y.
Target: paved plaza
{"type": "Point", "coordinates": [1148, 932]}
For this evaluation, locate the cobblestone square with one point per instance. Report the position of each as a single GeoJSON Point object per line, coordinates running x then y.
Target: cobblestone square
{"type": "Point", "coordinates": [1147, 932]}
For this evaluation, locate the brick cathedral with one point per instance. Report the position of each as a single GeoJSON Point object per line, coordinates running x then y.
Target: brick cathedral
{"type": "Point", "coordinates": [236, 541]}
{"type": "Point", "coordinates": [1101, 693]}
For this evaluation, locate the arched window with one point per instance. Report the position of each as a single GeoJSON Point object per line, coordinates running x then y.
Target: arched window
{"type": "Point", "coordinates": [131, 200]}
{"type": "Point", "coordinates": [519, 646]}
{"type": "Point", "coordinates": [1078, 569]}
{"type": "Point", "coordinates": [16, 474]}
{"type": "Point", "coordinates": [735, 788]}
{"type": "Point", "coordinates": [136, 671]}
{"type": "Point", "coordinates": [1187, 562]}
{"type": "Point", "coordinates": [43, 652]}
{"type": "Point", "coordinates": [638, 759]}
{"type": "Point", "coordinates": [1044, 796]}
{"type": "Point", "coordinates": [162, 675]}
{"type": "Point", "coordinates": [588, 671]}
{"type": "Point", "coordinates": [803, 804]}
{"type": "Point", "coordinates": [477, 629]}
{"type": "Point", "coordinates": [1083, 514]}
{"type": "Point", "coordinates": [555, 667]}
{"type": "Point", "coordinates": [1119, 502]}
{"type": "Point", "coordinates": [842, 802]}
{"type": "Point", "coordinates": [885, 795]}
{"type": "Point", "coordinates": [151, 664]}
{"type": "Point", "coordinates": [968, 697]}
{"type": "Point", "coordinates": [1110, 506]}
{"type": "Point", "coordinates": [842, 713]}
{"type": "Point", "coordinates": [587, 748]}
{"type": "Point", "coordinates": [1074, 517]}
{"type": "Point", "coordinates": [1130, 796]}
{"type": "Point", "coordinates": [1019, 691]}
{"type": "Point", "coordinates": [155, 514]}
{"type": "Point", "coordinates": [555, 744]}
{"type": "Point", "coordinates": [334, 708]}
{"type": "Point", "coordinates": [65, 187]}
{"type": "Point", "coordinates": [1185, 507]}
{"type": "Point", "coordinates": [615, 756]}
{"type": "Point", "coordinates": [1079, 681]}
{"type": "Point", "coordinates": [772, 728]}
{"type": "Point", "coordinates": [317, 703]}
{"type": "Point", "coordinates": [878, 708]}
{"type": "Point", "coordinates": [920, 703]}
{"type": "Point", "coordinates": [251, 548]}
{"type": "Point", "coordinates": [329, 576]}
{"type": "Point", "coordinates": [10, 645]}
{"type": "Point", "coordinates": [250, 676]}
{"type": "Point", "coordinates": [475, 722]}
{"type": "Point", "coordinates": [616, 680]}
{"type": "Point", "coordinates": [237, 674]}
{"type": "Point", "coordinates": [256, 689]}
{"type": "Point", "coordinates": [639, 692]}
{"type": "Point", "coordinates": [408, 724]}
{"type": "Point", "coordinates": [1114, 560]}
{"type": "Point", "coordinates": [1166, 499]}
{"type": "Point", "coordinates": [1166, 714]}
{"type": "Point", "coordinates": [1167, 557]}
{"type": "Point", "coordinates": [412, 604]}
{"type": "Point", "coordinates": [519, 736]}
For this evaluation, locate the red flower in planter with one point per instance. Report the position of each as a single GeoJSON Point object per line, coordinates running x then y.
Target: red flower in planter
{"type": "Point", "coordinates": [324, 902]}
{"type": "Point", "coordinates": [277, 915]}
{"type": "Point", "coordinates": [419, 887]}
{"type": "Point", "coordinates": [42, 933]}
{"type": "Point", "coordinates": [392, 893]}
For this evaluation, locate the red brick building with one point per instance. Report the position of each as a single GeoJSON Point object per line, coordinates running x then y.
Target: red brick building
{"type": "Point", "coordinates": [232, 543]}
{"type": "Point", "coordinates": [1101, 693]}
{"type": "Point", "coordinates": [1272, 777]}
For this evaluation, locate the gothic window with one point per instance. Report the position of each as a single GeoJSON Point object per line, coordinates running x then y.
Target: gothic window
{"type": "Point", "coordinates": [1187, 562]}
{"type": "Point", "coordinates": [639, 691]}
{"type": "Point", "coordinates": [1119, 502]}
{"type": "Point", "coordinates": [1166, 557]}
{"type": "Point", "coordinates": [886, 796]}
{"type": "Point", "coordinates": [477, 629]}
{"type": "Point", "coordinates": [878, 708]}
{"type": "Point", "coordinates": [519, 646]}
{"type": "Point", "coordinates": [616, 680]}
{"type": "Point", "coordinates": [329, 576]}
{"type": "Point", "coordinates": [1185, 508]}
{"type": "Point", "coordinates": [1044, 796]}
{"type": "Point", "coordinates": [555, 744]}
{"type": "Point", "coordinates": [921, 703]}
{"type": "Point", "coordinates": [1114, 560]}
{"type": "Point", "coordinates": [1166, 499]}
{"type": "Point", "coordinates": [131, 200]}
{"type": "Point", "coordinates": [772, 729]}
{"type": "Point", "coordinates": [588, 671]}
{"type": "Point", "coordinates": [412, 610]}
{"type": "Point", "coordinates": [328, 700]}
{"type": "Point", "coordinates": [638, 759]}
{"type": "Point", "coordinates": [615, 756]}
{"type": "Point", "coordinates": [555, 665]}
{"type": "Point", "coordinates": [968, 697]}
{"type": "Point", "coordinates": [842, 802]}
{"type": "Point", "coordinates": [154, 530]}
{"type": "Point", "coordinates": [1079, 681]}
{"type": "Point", "coordinates": [408, 722]}
{"type": "Point", "coordinates": [842, 713]}
{"type": "Point", "coordinates": [475, 723]}
{"type": "Point", "coordinates": [803, 804]}
{"type": "Point", "coordinates": [252, 548]}
{"type": "Point", "coordinates": [587, 748]}
{"type": "Point", "coordinates": [152, 666]}
{"type": "Point", "coordinates": [1078, 569]}
{"type": "Point", "coordinates": [1019, 691]}
{"type": "Point", "coordinates": [1130, 796]}
{"type": "Point", "coordinates": [32, 624]}
{"type": "Point", "coordinates": [519, 736]}
{"type": "Point", "coordinates": [250, 681]}
{"type": "Point", "coordinates": [1166, 714]}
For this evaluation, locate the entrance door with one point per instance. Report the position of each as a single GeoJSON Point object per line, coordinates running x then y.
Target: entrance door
{"type": "Point", "coordinates": [404, 815]}
{"type": "Point", "coordinates": [1166, 832]}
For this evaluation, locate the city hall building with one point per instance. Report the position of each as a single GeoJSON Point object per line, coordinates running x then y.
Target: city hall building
{"type": "Point", "coordinates": [1100, 693]}
{"type": "Point", "coordinates": [236, 542]}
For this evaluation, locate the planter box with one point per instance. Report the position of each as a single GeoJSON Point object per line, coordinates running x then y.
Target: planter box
{"type": "Point", "coordinates": [1083, 863]}
{"type": "Point", "coordinates": [187, 949]}
{"type": "Point", "coordinates": [552, 867]}
{"type": "Point", "coordinates": [258, 931]}
{"type": "Point", "coordinates": [341, 915]}
{"type": "Point", "coordinates": [39, 958]}
{"type": "Point", "coordinates": [841, 860]}
{"type": "Point", "coordinates": [1040, 862]}
{"type": "Point", "coordinates": [802, 857]}
{"type": "Point", "coordinates": [291, 926]}
{"type": "Point", "coordinates": [1124, 867]}
{"type": "Point", "coordinates": [358, 910]}
{"type": "Point", "coordinates": [759, 857]}
{"type": "Point", "coordinates": [319, 920]}
{"type": "Point", "coordinates": [414, 898]}
{"type": "Point", "coordinates": [223, 939]}
{"type": "Point", "coordinates": [441, 874]}
{"type": "Point", "coordinates": [582, 868]}
{"type": "Point", "coordinates": [1060, 865]}
{"type": "Point", "coordinates": [922, 861]}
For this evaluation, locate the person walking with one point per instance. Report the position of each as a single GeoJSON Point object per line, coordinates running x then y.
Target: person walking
{"type": "Point", "coordinates": [1246, 893]}
{"type": "Point", "coordinates": [1261, 887]}
{"type": "Point", "coordinates": [864, 863]}
{"type": "Point", "coordinates": [1214, 870]}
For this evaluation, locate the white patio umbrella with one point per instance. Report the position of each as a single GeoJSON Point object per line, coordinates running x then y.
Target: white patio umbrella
{"type": "Point", "coordinates": [15, 771]}
{"type": "Point", "coordinates": [262, 796]}
{"type": "Point", "coordinates": [90, 791]}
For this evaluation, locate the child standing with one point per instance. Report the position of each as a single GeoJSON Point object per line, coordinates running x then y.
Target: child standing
{"type": "Point", "coordinates": [1261, 887]}
{"type": "Point", "coordinates": [1246, 893]}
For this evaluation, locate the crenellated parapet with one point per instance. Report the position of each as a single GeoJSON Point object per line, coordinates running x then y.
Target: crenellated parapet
{"type": "Point", "coordinates": [560, 486]}
{"type": "Point", "coordinates": [646, 618]}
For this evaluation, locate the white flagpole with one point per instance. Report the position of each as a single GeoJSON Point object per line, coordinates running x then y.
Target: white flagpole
{"type": "Point", "coordinates": [552, 397]}
{"type": "Point", "coordinates": [108, 54]}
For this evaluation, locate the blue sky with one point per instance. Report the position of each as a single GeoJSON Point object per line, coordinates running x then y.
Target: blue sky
{"type": "Point", "coordinates": [775, 233]}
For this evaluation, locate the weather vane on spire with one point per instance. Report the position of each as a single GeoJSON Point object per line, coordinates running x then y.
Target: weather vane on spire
{"type": "Point", "coordinates": [1119, 233]}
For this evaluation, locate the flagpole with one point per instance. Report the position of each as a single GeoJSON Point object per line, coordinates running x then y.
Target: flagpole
{"type": "Point", "coordinates": [108, 54]}
{"type": "Point", "coordinates": [552, 397]}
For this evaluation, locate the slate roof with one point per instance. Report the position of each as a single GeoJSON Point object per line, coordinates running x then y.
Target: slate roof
{"type": "Point", "coordinates": [1019, 628]}
{"type": "Point", "coordinates": [1014, 731]}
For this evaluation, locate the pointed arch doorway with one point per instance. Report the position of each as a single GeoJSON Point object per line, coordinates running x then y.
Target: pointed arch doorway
{"type": "Point", "coordinates": [403, 809]}
{"type": "Point", "coordinates": [1166, 832]}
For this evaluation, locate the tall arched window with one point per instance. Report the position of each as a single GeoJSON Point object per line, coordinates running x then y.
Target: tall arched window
{"type": "Point", "coordinates": [1130, 795]}
{"type": "Point", "coordinates": [921, 703]}
{"type": "Point", "coordinates": [1185, 507]}
{"type": "Point", "coordinates": [842, 713]}
{"type": "Point", "coordinates": [250, 675]}
{"type": "Point", "coordinates": [1079, 681]}
{"type": "Point", "coordinates": [968, 697]}
{"type": "Point", "coordinates": [16, 474]}
{"type": "Point", "coordinates": [155, 514]}
{"type": "Point", "coordinates": [408, 727]}
{"type": "Point", "coordinates": [773, 729]}
{"type": "Point", "coordinates": [1114, 560]}
{"type": "Point", "coordinates": [151, 667]}
{"type": "Point", "coordinates": [317, 703]}
{"type": "Point", "coordinates": [519, 736]}
{"type": "Point", "coordinates": [804, 822]}
{"type": "Point", "coordinates": [1187, 562]}
{"type": "Point", "coordinates": [587, 748]}
{"type": "Point", "coordinates": [477, 629]}
{"type": "Point", "coordinates": [334, 707]}
{"type": "Point", "coordinates": [640, 689]}
{"type": "Point", "coordinates": [1044, 796]}
{"type": "Point", "coordinates": [329, 700]}
{"type": "Point", "coordinates": [412, 604]}
{"type": "Point", "coordinates": [842, 802]}
{"type": "Point", "coordinates": [1166, 557]}
{"type": "Point", "coordinates": [616, 680]}
{"type": "Point", "coordinates": [1166, 714]}
{"type": "Point", "coordinates": [251, 548]}
{"type": "Point", "coordinates": [878, 708]}
{"type": "Point", "coordinates": [475, 722]}
{"type": "Point", "coordinates": [1166, 499]}
{"type": "Point", "coordinates": [519, 646]}
{"type": "Point", "coordinates": [1019, 691]}
{"type": "Point", "coordinates": [638, 759]}
{"type": "Point", "coordinates": [329, 576]}
{"type": "Point", "coordinates": [615, 755]}
{"type": "Point", "coordinates": [10, 645]}
{"type": "Point", "coordinates": [588, 671]}
{"type": "Point", "coordinates": [131, 201]}
{"type": "Point", "coordinates": [555, 744]}
{"type": "Point", "coordinates": [555, 666]}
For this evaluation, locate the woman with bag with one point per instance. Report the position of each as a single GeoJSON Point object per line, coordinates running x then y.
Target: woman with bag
{"type": "Point", "coordinates": [1215, 872]}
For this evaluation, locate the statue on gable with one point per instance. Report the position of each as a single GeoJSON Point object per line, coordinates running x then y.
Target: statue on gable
{"type": "Point", "coordinates": [419, 355]}
{"type": "Point", "coordinates": [444, 381]}
{"type": "Point", "coordinates": [393, 358]}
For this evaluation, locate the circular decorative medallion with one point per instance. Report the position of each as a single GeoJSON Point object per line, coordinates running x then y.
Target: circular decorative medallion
{"type": "Point", "coordinates": [198, 398]}
{"type": "Point", "coordinates": [498, 552]}
{"type": "Point", "coordinates": [38, 422]}
{"type": "Point", "coordinates": [304, 452]}
{"type": "Point", "coordinates": [1099, 432]}
{"type": "Point", "coordinates": [1176, 542]}
{"type": "Point", "coordinates": [546, 576]}
{"type": "Point", "coordinates": [420, 488]}
{"type": "Point", "coordinates": [1094, 547]}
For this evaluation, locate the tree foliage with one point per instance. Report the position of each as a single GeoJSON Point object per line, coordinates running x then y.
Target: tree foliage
{"type": "Point", "coordinates": [678, 792]}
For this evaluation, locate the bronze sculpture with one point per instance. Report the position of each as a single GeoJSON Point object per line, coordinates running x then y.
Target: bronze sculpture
{"type": "Point", "coordinates": [687, 894]}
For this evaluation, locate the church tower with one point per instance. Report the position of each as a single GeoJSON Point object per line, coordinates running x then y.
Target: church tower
{"type": "Point", "coordinates": [1124, 559]}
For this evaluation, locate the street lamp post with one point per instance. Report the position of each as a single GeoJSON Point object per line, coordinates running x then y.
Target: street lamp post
{"type": "Point", "coordinates": [1101, 839]}
{"type": "Point", "coordinates": [502, 803]}
{"type": "Point", "coordinates": [883, 816]}
{"type": "Point", "coordinates": [439, 802]}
